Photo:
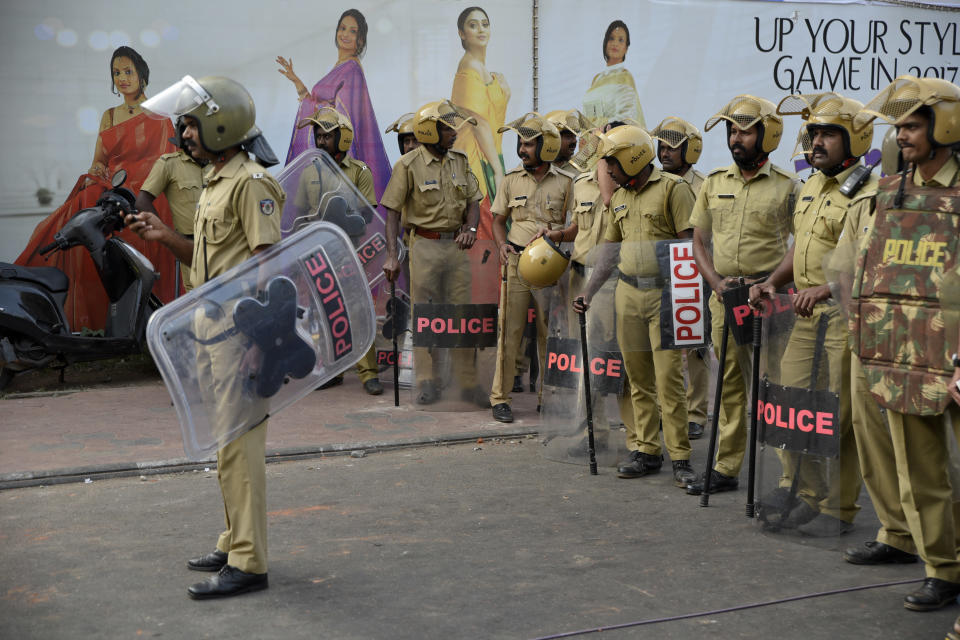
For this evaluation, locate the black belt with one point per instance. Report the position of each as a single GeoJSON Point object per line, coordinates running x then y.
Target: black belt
{"type": "Point", "coordinates": [578, 268]}
{"type": "Point", "coordinates": [758, 276]}
{"type": "Point", "coordinates": [653, 282]}
{"type": "Point", "coordinates": [516, 246]}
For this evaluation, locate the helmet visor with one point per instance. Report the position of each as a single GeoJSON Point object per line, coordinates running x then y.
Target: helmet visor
{"type": "Point", "coordinates": [742, 111]}
{"type": "Point", "coordinates": [185, 97]}
{"type": "Point", "coordinates": [672, 132]}
{"type": "Point", "coordinates": [899, 99]}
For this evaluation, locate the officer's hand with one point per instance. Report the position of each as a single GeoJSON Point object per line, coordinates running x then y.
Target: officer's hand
{"type": "Point", "coordinates": [952, 386]}
{"type": "Point", "coordinates": [147, 225]}
{"type": "Point", "coordinates": [505, 250]}
{"type": "Point", "coordinates": [723, 285]}
{"type": "Point", "coordinates": [391, 269]}
{"type": "Point", "coordinates": [466, 238]}
{"type": "Point", "coordinates": [250, 363]}
{"type": "Point", "coordinates": [581, 304]}
{"type": "Point", "coordinates": [804, 302]}
{"type": "Point", "coordinates": [758, 292]}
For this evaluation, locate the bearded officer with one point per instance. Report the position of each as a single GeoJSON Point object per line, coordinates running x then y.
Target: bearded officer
{"type": "Point", "coordinates": [914, 239]}
{"type": "Point", "coordinates": [834, 145]}
{"type": "Point", "coordinates": [742, 221]}
{"type": "Point", "coordinates": [333, 133]}
{"type": "Point", "coordinates": [571, 124]}
{"type": "Point", "coordinates": [179, 177]}
{"type": "Point", "coordinates": [649, 206]}
{"type": "Point", "coordinates": [679, 145]}
{"type": "Point", "coordinates": [434, 187]}
{"type": "Point", "coordinates": [237, 217]}
{"type": "Point", "coordinates": [534, 196]}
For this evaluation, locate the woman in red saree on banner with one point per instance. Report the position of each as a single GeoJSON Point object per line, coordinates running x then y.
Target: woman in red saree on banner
{"type": "Point", "coordinates": [128, 140]}
{"type": "Point", "coordinates": [344, 89]}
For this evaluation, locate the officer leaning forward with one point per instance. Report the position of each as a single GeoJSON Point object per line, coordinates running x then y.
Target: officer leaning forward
{"type": "Point", "coordinates": [237, 217]}
{"type": "Point", "coordinates": [832, 144]}
{"type": "Point", "coordinates": [905, 316]}
{"type": "Point", "coordinates": [179, 177]}
{"type": "Point", "coordinates": [333, 132]}
{"type": "Point", "coordinates": [679, 145]}
{"type": "Point", "coordinates": [742, 220]}
{"type": "Point", "coordinates": [434, 187]}
{"type": "Point", "coordinates": [649, 206]}
{"type": "Point", "coordinates": [533, 196]}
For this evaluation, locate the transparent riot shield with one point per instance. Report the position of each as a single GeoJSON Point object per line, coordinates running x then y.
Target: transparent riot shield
{"type": "Point", "coordinates": [453, 322]}
{"type": "Point", "coordinates": [393, 320]}
{"type": "Point", "coordinates": [317, 190]}
{"type": "Point", "coordinates": [261, 336]}
{"type": "Point", "coordinates": [563, 417]}
{"type": "Point", "coordinates": [807, 467]}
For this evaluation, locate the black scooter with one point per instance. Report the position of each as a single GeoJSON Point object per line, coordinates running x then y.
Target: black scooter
{"type": "Point", "coordinates": [34, 332]}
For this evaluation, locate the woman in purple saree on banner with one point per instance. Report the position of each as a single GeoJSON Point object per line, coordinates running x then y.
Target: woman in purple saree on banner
{"type": "Point", "coordinates": [344, 89]}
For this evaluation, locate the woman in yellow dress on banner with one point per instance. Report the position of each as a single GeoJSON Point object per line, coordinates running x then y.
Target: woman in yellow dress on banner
{"type": "Point", "coordinates": [613, 94]}
{"type": "Point", "coordinates": [484, 95]}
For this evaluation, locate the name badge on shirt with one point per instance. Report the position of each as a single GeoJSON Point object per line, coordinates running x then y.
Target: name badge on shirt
{"type": "Point", "coordinates": [427, 182]}
{"type": "Point", "coordinates": [620, 208]}
{"type": "Point", "coordinates": [587, 204]}
{"type": "Point", "coordinates": [520, 197]}
{"type": "Point", "coordinates": [725, 195]}
{"type": "Point", "coordinates": [806, 198]}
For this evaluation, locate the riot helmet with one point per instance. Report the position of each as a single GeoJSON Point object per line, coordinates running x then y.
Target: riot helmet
{"type": "Point", "coordinates": [430, 115]}
{"type": "Point", "coordinates": [542, 262]}
{"type": "Point", "coordinates": [328, 119]}
{"type": "Point", "coordinates": [745, 111]}
{"type": "Point", "coordinates": [404, 128]}
{"type": "Point", "coordinates": [828, 110]}
{"type": "Point", "coordinates": [629, 145]}
{"type": "Point", "coordinates": [676, 132]}
{"type": "Point", "coordinates": [533, 126]}
{"type": "Point", "coordinates": [907, 94]}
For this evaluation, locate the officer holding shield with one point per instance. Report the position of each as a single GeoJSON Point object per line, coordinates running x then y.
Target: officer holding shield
{"type": "Point", "coordinates": [333, 132]}
{"type": "Point", "coordinates": [533, 196]}
{"type": "Point", "coordinates": [906, 337]}
{"type": "Point", "coordinates": [742, 220]}
{"type": "Point", "coordinates": [649, 206]}
{"type": "Point", "coordinates": [834, 145]}
{"type": "Point", "coordinates": [238, 216]}
{"type": "Point", "coordinates": [679, 145]}
{"type": "Point", "coordinates": [434, 187]}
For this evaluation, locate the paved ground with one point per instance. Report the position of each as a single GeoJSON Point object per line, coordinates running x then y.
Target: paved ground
{"type": "Point", "coordinates": [441, 540]}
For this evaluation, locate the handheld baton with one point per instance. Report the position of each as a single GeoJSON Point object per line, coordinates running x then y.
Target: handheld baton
{"type": "Point", "coordinates": [396, 361]}
{"type": "Point", "coordinates": [591, 447]}
{"type": "Point", "coordinates": [715, 421]}
{"type": "Point", "coordinates": [754, 435]}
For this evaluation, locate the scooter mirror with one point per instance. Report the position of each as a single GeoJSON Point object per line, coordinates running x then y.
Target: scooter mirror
{"type": "Point", "coordinates": [119, 178]}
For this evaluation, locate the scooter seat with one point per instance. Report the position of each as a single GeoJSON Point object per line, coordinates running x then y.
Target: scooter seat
{"type": "Point", "coordinates": [51, 278]}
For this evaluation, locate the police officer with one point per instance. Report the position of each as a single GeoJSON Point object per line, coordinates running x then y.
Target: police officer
{"type": "Point", "coordinates": [589, 221]}
{"type": "Point", "coordinates": [834, 145]}
{"type": "Point", "coordinates": [571, 124]}
{"type": "Point", "coordinates": [434, 187]}
{"type": "Point", "coordinates": [679, 145]}
{"type": "Point", "coordinates": [914, 239]}
{"type": "Point", "coordinates": [179, 177]}
{"type": "Point", "coordinates": [893, 543]}
{"type": "Point", "coordinates": [744, 211]}
{"type": "Point", "coordinates": [649, 206]}
{"type": "Point", "coordinates": [403, 126]}
{"type": "Point", "coordinates": [536, 195]}
{"type": "Point", "coordinates": [237, 217]}
{"type": "Point", "coordinates": [333, 133]}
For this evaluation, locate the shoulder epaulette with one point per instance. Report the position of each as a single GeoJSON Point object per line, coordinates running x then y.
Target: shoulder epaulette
{"type": "Point", "coordinates": [457, 152]}
{"type": "Point", "coordinates": [583, 176]}
{"type": "Point", "coordinates": [718, 170]}
{"type": "Point", "coordinates": [167, 156]}
{"type": "Point", "coordinates": [408, 158]}
{"type": "Point", "coordinates": [568, 174]}
{"type": "Point", "coordinates": [864, 195]}
{"type": "Point", "coordinates": [787, 174]}
{"type": "Point", "coordinates": [516, 169]}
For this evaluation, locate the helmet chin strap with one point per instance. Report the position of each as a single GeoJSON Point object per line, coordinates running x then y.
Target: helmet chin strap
{"type": "Point", "coordinates": [754, 163]}
{"type": "Point", "coordinates": [834, 170]}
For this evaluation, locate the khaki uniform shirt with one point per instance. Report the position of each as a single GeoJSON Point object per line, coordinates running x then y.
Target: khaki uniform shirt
{"type": "Point", "coordinates": [532, 205]}
{"type": "Point", "coordinates": [308, 191]}
{"type": "Point", "coordinates": [747, 222]}
{"type": "Point", "coordinates": [660, 210]}
{"type": "Point", "coordinates": [590, 215]}
{"type": "Point", "coordinates": [818, 223]}
{"type": "Point", "coordinates": [239, 210]}
{"type": "Point", "coordinates": [433, 192]}
{"type": "Point", "coordinates": [695, 179]}
{"type": "Point", "coordinates": [180, 178]}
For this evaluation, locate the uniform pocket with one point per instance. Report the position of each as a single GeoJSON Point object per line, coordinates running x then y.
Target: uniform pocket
{"type": "Point", "coordinates": [430, 192]}
{"type": "Point", "coordinates": [217, 228]}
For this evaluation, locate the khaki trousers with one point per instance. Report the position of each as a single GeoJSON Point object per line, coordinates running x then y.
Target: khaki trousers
{"type": "Point", "coordinates": [732, 424]}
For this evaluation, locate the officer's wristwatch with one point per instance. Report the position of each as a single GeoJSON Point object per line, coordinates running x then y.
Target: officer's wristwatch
{"type": "Point", "coordinates": [956, 361]}
{"type": "Point", "coordinates": [472, 229]}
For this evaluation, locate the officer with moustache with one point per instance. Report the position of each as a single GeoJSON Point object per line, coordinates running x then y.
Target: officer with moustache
{"type": "Point", "coordinates": [742, 221]}
{"type": "Point", "coordinates": [237, 218]}
{"type": "Point", "coordinates": [333, 133]}
{"type": "Point", "coordinates": [834, 145]}
{"type": "Point", "coordinates": [434, 187]}
{"type": "Point", "coordinates": [914, 240]}
{"type": "Point", "coordinates": [534, 196]}
{"type": "Point", "coordinates": [679, 145]}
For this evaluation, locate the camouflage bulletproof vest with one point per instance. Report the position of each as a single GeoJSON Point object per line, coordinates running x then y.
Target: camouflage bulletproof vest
{"type": "Point", "coordinates": [901, 332]}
